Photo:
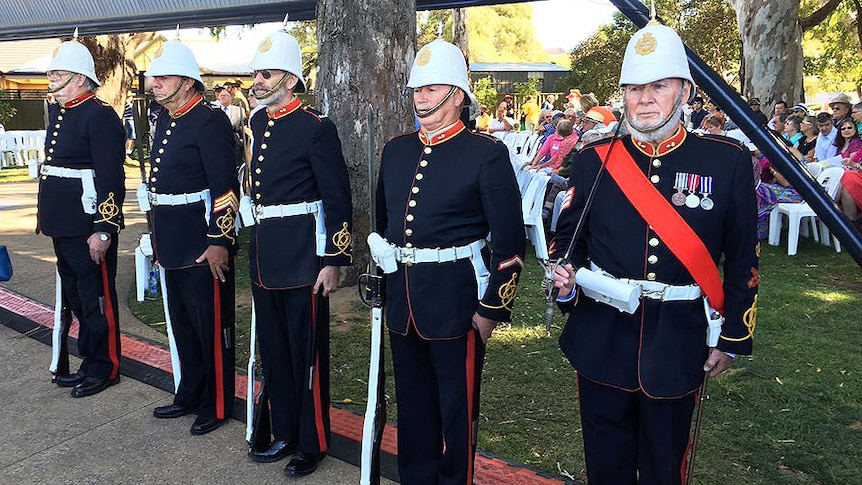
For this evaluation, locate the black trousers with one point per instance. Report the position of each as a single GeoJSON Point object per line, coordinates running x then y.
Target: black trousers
{"type": "Point", "coordinates": [202, 317]}
{"type": "Point", "coordinates": [293, 335]}
{"type": "Point", "coordinates": [630, 438]}
{"type": "Point", "coordinates": [437, 387]}
{"type": "Point", "coordinates": [90, 292]}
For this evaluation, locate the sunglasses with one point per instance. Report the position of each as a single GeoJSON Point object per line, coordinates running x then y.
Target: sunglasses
{"type": "Point", "coordinates": [848, 127]}
{"type": "Point", "coordinates": [755, 104]}
{"type": "Point", "coordinates": [266, 73]}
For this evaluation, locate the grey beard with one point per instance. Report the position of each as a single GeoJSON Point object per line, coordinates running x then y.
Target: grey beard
{"type": "Point", "coordinates": [653, 136]}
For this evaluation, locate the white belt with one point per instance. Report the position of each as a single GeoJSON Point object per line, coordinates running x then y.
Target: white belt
{"type": "Point", "coordinates": [655, 290]}
{"type": "Point", "coordinates": [67, 173]}
{"type": "Point", "coordinates": [287, 210]}
{"type": "Point", "coordinates": [179, 199]}
{"type": "Point", "coordinates": [419, 255]}
{"type": "Point", "coordinates": [86, 175]}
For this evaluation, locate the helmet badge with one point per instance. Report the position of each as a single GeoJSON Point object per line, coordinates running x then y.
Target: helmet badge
{"type": "Point", "coordinates": [646, 45]}
{"type": "Point", "coordinates": [424, 56]}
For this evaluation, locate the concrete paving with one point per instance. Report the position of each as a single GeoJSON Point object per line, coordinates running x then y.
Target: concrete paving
{"type": "Point", "coordinates": [48, 437]}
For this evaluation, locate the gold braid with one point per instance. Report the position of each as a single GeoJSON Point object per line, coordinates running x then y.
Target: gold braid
{"type": "Point", "coordinates": [749, 319]}
{"type": "Point", "coordinates": [507, 293]}
{"type": "Point", "coordinates": [342, 241]}
{"type": "Point", "coordinates": [108, 210]}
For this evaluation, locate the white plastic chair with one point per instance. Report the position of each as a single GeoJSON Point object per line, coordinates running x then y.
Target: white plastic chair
{"type": "Point", "coordinates": [814, 168]}
{"type": "Point", "coordinates": [531, 205]}
{"type": "Point", "coordinates": [558, 204]}
{"type": "Point", "coordinates": [830, 180]}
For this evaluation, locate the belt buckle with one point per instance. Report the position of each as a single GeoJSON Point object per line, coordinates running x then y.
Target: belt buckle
{"type": "Point", "coordinates": [653, 294]}
{"type": "Point", "coordinates": [258, 209]}
{"type": "Point", "coordinates": [408, 256]}
{"type": "Point", "coordinates": [154, 199]}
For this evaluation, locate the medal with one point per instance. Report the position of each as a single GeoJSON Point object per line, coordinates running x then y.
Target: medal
{"type": "Point", "coordinates": [692, 200]}
{"type": "Point", "coordinates": [706, 188]}
{"type": "Point", "coordinates": [678, 198]}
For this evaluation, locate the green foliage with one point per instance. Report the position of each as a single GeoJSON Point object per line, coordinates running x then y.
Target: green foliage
{"type": "Point", "coordinates": [708, 27]}
{"type": "Point", "coordinates": [832, 48]}
{"type": "Point", "coordinates": [7, 111]}
{"type": "Point", "coordinates": [530, 87]}
{"type": "Point", "coordinates": [485, 93]}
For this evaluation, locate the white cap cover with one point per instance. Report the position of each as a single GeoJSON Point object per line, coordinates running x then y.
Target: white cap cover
{"type": "Point", "coordinates": [440, 62]}
{"type": "Point", "coordinates": [74, 57]}
{"type": "Point", "coordinates": [175, 59]}
{"type": "Point", "coordinates": [281, 51]}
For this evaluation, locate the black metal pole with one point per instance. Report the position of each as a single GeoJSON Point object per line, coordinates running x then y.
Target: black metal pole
{"type": "Point", "coordinates": [726, 97]}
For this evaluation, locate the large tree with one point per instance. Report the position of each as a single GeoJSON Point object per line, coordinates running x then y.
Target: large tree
{"type": "Point", "coordinates": [833, 46]}
{"type": "Point", "coordinates": [114, 57]}
{"type": "Point", "coordinates": [364, 72]}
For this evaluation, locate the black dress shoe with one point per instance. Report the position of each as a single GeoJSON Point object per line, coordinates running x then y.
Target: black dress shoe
{"type": "Point", "coordinates": [172, 411]}
{"type": "Point", "coordinates": [204, 425]}
{"type": "Point", "coordinates": [92, 385]}
{"type": "Point", "coordinates": [303, 464]}
{"type": "Point", "coordinates": [70, 380]}
{"type": "Point", "coordinates": [276, 451]}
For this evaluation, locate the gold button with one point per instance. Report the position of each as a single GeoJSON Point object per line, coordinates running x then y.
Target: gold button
{"type": "Point", "coordinates": [152, 189]}
{"type": "Point", "coordinates": [412, 203]}
{"type": "Point", "coordinates": [165, 141]}
{"type": "Point", "coordinates": [656, 163]}
{"type": "Point", "coordinates": [153, 179]}
{"type": "Point", "coordinates": [167, 132]}
{"type": "Point", "coordinates": [652, 259]}
{"type": "Point", "coordinates": [415, 190]}
{"type": "Point", "coordinates": [271, 123]}
{"type": "Point", "coordinates": [408, 232]}
{"type": "Point", "coordinates": [161, 150]}
{"type": "Point", "coordinates": [266, 134]}
{"type": "Point", "coordinates": [53, 142]}
{"type": "Point", "coordinates": [49, 158]}
{"type": "Point", "coordinates": [654, 179]}
{"type": "Point", "coordinates": [423, 163]}
{"type": "Point", "coordinates": [155, 169]}
{"type": "Point", "coordinates": [44, 177]}
{"type": "Point", "coordinates": [257, 170]}
{"type": "Point", "coordinates": [63, 110]}
{"type": "Point", "coordinates": [60, 118]}
{"type": "Point", "coordinates": [263, 146]}
{"type": "Point", "coordinates": [427, 150]}
{"type": "Point", "coordinates": [409, 217]}
{"type": "Point", "coordinates": [158, 159]}
{"type": "Point", "coordinates": [55, 133]}
{"type": "Point", "coordinates": [419, 176]}
{"type": "Point", "coordinates": [57, 125]}
{"type": "Point", "coordinates": [257, 196]}
{"type": "Point", "coordinates": [650, 276]}
{"type": "Point", "coordinates": [257, 183]}
{"type": "Point", "coordinates": [408, 245]}
{"type": "Point", "coordinates": [173, 124]}
{"type": "Point", "coordinates": [260, 158]}
{"type": "Point", "coordinates": [50, 150]}
{"type": "Point", "coordinates": [653, 242]}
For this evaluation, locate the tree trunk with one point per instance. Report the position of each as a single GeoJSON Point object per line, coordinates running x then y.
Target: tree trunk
{"type": "Point", "coordinates": [114, 56]}
{"type": "Point", "coordinates": [772, 50]}
{"type": "Point", "coordinates": [366, 49]}
{"type": "Point", "coordinates": [460, 35]}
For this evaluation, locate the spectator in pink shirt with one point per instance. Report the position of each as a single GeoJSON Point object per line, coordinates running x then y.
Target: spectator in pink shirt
{"type": "Point", "coordinates": [556, 147]}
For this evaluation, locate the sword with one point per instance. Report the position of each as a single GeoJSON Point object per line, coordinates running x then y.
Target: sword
{"type": "Point", "coordinates": [249, 391]}
{"type": "Point", "coordinates": [697, 421]}
{"type": "Point", "coordinates": [60, 333]}
{"type": "Point", "coordinates": [373, 282]}
{"type": "Point", "coordinates": [258, 427]}
{"type": "Point", "coordinates": [175, 357]}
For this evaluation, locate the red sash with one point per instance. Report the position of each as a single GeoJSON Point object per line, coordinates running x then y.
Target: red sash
{"type": "Point", "coordinates": [666, 222]}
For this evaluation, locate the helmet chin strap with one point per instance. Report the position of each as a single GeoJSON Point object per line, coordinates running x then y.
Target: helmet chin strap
{"type": "Point", "coordinates": [274, 89]}
{"type": "Point", "coordinates": [171, 96]}
{"type": "Point", "coordinates": [65, 83]}
{"type": "Point", "coordinates": [436, 108]}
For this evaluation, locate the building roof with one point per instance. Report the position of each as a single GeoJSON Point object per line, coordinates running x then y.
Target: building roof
{"type": "Point", "coordinates": [33, 19]}
{"type": "Point", "coordinates": [20, 55]}
{"type": "Point", "coordinates": [516, 67]}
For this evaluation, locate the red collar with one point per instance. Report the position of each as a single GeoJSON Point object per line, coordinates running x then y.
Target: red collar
{"type": "Point", "coordinates": [664, 147]}
{"type": "Point", "coordinates": [443, 136]}
{"type": "Point", "coordinates": [79, 100]}
{"type": "Point", "coordinates": [188, 106]}
{"type": "Point", "coordinates": [285, 110]}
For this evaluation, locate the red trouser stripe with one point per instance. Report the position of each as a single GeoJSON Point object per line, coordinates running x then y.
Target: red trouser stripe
{"type": "Point", "coordinates": [219, 360]}
{"type": "Point", "coordinates": [318, 405]}
{"type": "Point", "coordinates": [470, 365]}
{"type": "Point", "coordinates": [112, 324]}
{"type": "Point", "coordinates": [683, 467]}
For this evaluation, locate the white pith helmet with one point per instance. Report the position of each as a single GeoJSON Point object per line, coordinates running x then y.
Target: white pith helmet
{"type": "Point", "coordinates": [440, 62]}
{"type": "Point", "coordinates": [176, 59]}
{"type": "Point", "coordinates": [73, 56]}
{"type": "Point", "coordinates": [280, 51]}
{"type": "Point", "coordinates": [655, 52]}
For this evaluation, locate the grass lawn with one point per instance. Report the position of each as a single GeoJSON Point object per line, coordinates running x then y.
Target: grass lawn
{"type": "Point", "coordinates": [10, 175]}
{"type": "Point", "coordinates": [790, 414]}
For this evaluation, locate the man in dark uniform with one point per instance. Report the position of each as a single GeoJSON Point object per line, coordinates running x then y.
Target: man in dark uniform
{"type": "Point", "coordinates": [81, 192]}
{"type": "Point", "coordinates": [193, 194]}
{"type": "Point", "coordinates": [301, 196]}
{"type": "Point", "coordinates": [668, 206]}
{"type": "Point", "coordinates": [441, 190]}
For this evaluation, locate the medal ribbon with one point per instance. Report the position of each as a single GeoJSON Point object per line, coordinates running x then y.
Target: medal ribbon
{"type": "Point", "coordinates": [693, 181]}
{"type": "Point", "coordinates": [706, 186]}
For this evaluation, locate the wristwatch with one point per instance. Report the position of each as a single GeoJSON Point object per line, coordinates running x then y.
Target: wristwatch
{"type": "Point", "coordinates": [104, 237]}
